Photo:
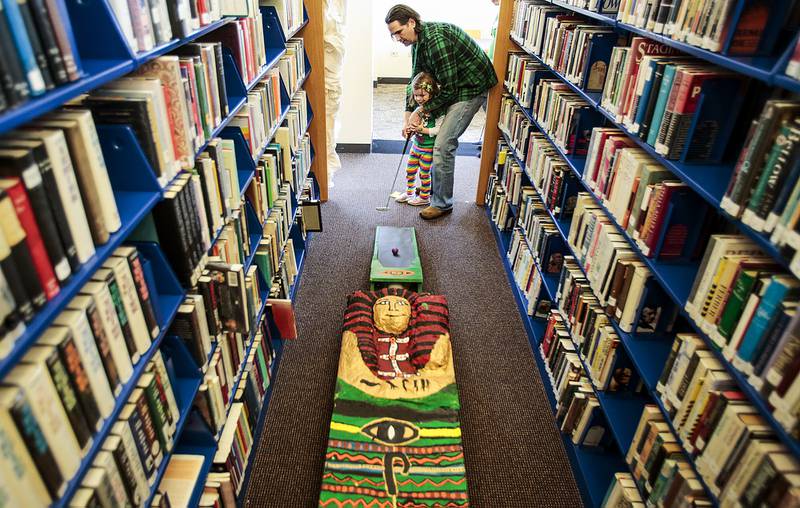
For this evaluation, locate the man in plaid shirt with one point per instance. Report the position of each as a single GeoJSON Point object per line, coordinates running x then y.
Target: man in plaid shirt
{"type": "Point", "coordinates": [465, 75]}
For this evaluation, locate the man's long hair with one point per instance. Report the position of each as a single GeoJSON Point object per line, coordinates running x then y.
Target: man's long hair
{"type": "Point", "coordinates": [402, 13]}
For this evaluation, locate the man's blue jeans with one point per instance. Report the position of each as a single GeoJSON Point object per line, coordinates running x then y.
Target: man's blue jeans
{"type": "Point", "coordinates": [458, 118]}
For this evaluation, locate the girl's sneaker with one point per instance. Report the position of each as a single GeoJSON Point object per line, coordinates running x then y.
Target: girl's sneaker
{"type": "Point", "coordinates": [402, 198]}
{"type": "Point", "coordinates": [418, 201]}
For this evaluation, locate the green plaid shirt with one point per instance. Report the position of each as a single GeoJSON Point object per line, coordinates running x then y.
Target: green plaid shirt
{"type": "Point", "coordinates": [451, 56]}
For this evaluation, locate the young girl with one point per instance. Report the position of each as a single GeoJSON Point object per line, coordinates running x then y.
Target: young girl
{"type": "Point", "coordinates": [424, 87]}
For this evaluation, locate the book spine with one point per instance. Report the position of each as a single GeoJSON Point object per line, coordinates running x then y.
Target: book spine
{"type": "Point", "coordinates": [34, 241]}
{"type": "Point", "coordinates": [135, 265]}
{"type": "Point", "coordinates": [103, 348]}
{"type": "Point", "coordinates": [80, 382]}
{"type": "Point", "coordinates": [69, 399]}
{"type": "Point", "coordinates": [47, 34]}
{"type": "Point", "coordinates": [37, 445]}
{"type": "Point", "coordinates": [47, 225]}
{"type": "Point", "coordinates": [122, 315]}
{"type": "Point", "coordinates": [20, 253]}
{"type": "Point", "coordinates": [223, 92]}
{"type": "Point", "coordinates": [25, 47]}
{"type": "Point", "coordinates": [14, 82]}
{"type": "Point", "coordinates": [62, 29]}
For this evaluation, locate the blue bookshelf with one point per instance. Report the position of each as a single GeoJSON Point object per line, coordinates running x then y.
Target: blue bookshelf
{"type": "Point", "coordinates": [676, 279]}
{"type": "Point", "coordinates": [168, 295]}
{"type": "Point", "coordinates": [593, 469]}
{"type": "Point", "coordinates": [769, 69]}
{"type": "Point", "coordinates": [103, 55]}
{"type": "Point", "coordinates": [709, 181]}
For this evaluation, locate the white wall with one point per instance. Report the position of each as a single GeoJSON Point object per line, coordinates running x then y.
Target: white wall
{"type": "Point", "coordinates": [354, 123]}
{"type": "Point", "coordinates": [391, 59]}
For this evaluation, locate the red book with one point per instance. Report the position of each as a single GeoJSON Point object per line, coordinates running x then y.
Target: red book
{"type": "Point", "coordinates": [33, 238]}
{"type": "Point", "coordinates": [283, 314]}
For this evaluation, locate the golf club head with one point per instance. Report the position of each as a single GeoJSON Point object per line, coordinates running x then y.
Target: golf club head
{"type": "Point", "coordinates": [382, 208]}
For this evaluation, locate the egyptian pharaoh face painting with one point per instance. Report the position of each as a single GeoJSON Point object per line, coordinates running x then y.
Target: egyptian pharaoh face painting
{"type": "Point", "coordinates": [395, 438]}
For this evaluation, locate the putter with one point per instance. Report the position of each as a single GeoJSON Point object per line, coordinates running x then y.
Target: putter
{"type": "Point", "coordinates": [396, 173]}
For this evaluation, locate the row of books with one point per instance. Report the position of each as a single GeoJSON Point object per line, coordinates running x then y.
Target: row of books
{"type": "Point", "coordinates": [764, 190]}
{"type": "Point", "coordinates": [621, 175]}
{"type": "Point", "coordinates": [218, 491]}
{"type": "Point", "coordinates": [57, 205]}
{"type": "Point", "coordinates": [707, 24]}
{"type": "Point", "coordinates": [250, 379]}
{"type": "Point", "coordinates": [124, 471]}
{"type": "Point", "coordinates": [527, 274]}
{"type": "Point", "coordinates": [290, 13]}
{"type": "Point", "coordinates": [732, 446]}
{"type": "Point", "coordinates": [601, 6]}
{"type": "Point", "coordinates": [621, 282]}
{"type": "Point", "coordinates": [575, 47]}
{"type": "Point", "coordinates": [173, 104]}
{"type": "Point", "coordinates": [660, 474]}
{"type": "Point", "coordinates": [146, 25]}
{"type": "Point", "coordinates": [596, 344]}
{"type": "Point", "coordinates": [747, 305]}
{"type": "Point", "coordinates": [37, 49]}
{"type": "Point", "coordinates": [292, 65]}
{"type": "Point", "coordinates": [67, 384]}
{"type": "Point", "coordinates": [657, 96]}
{"type": "Point", "coordinates": [261, 113]}
{"type": "Point", "coordinates": [501, 213]}
{"type": "Point", "coordinates": [244, 38]}
{"type": "Point", "coordinates": [578, 412]}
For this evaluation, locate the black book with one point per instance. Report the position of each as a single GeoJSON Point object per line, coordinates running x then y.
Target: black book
{"type": "Point", "coordinates": [52, 360]}
{"type": "Point", "coordinates": [173, 238]}
{"type": "Point", "coordinates": [205, 286]}
{"type": "Point", "coordinates": [131, 111]}
{"type": "Point", "coordinates": [644, 128]}
{"type": "Point", "coordinates": [47, 37]}
{"type": "Point", "coordinates": [223, 91]}
{"type": "Point", "coordinates": [61, 338]}
{"type": "Point", "coordinates": [190, 207]}
{"type": "Point", "coordinates": [33, 437]}
{"type": "Point", "coordinates": [20, 163]}
{"type": "Point", "coordinates": [36, 43]}
{"type": "Point", "coordinates": [20, 253]}
{"type": "Point", "coordinates": [179, 17]}
{"type": "Point", "coordinates": [115, 446]}
{"type": "Point", "coordinates": [12, 76]}
{"type": "Point", "coordinates": [52, 196]}
{"type": "Point", "coordinates": [184, 327]}
{"type": "Point", "coordinates": [137, 271]}
{"type": "Point", "coordinates": [106, 276]}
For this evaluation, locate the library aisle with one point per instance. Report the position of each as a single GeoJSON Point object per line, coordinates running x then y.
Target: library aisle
{"type": "Point", "coordinates": [513, 452]}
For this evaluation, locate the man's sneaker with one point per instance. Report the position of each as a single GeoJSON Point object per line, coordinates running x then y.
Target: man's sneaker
{"type": "Point", "coordinates": [418, 201]}
{"type": "Point", "coordinates": [431, 213]}
{"type": "Point", "coordinates": [402, 198]}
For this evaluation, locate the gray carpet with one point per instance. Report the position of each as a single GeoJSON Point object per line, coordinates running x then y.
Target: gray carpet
{"type": "Point", "coordinates": [514, 455]}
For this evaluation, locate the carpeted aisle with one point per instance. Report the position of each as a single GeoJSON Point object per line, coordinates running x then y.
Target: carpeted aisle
{"type": "Point", "coordinates": [514, 455]}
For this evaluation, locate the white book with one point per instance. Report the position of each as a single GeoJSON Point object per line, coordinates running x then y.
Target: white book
{"type": "Point", "coordinates": [96, 165]}
{"type": "Point", "coordinates": [150, 88]}
{"type": "Point", "coordinates": [104, 461]}
{"type": "Point", "coordinates": [116, 445]}
{"type": "Point", "coordinates": [90, 357]}
{"type": "Point", "coordinates": [19, 478]}
{"type": "Point", "coordinates": [64, 173]}
{"type": "Point", "coordinates": [122, 430]}
{"type": "Point", "coordinates": [46, 407]}
{"type": "Point", "coordinates": [161, 369]}
{"type": "Point", "coordinates": [130, 300]}
{"type": "Point", "coordinates": [96, 293]}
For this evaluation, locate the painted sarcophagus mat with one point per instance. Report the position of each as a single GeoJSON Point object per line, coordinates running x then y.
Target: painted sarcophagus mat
{"type": "Point", "coordinates": [395, 439]}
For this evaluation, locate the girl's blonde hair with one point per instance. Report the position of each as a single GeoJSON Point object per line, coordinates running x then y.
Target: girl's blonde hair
{"type": "Point", "coordinates": [426, 82]}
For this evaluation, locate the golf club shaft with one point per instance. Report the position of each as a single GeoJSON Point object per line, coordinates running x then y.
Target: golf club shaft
{"type": "Point", "coordinates": [397, 173]}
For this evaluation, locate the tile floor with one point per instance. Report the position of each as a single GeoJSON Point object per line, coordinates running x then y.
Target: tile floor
{"type": "Point", "coordinates": [387, 115]}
